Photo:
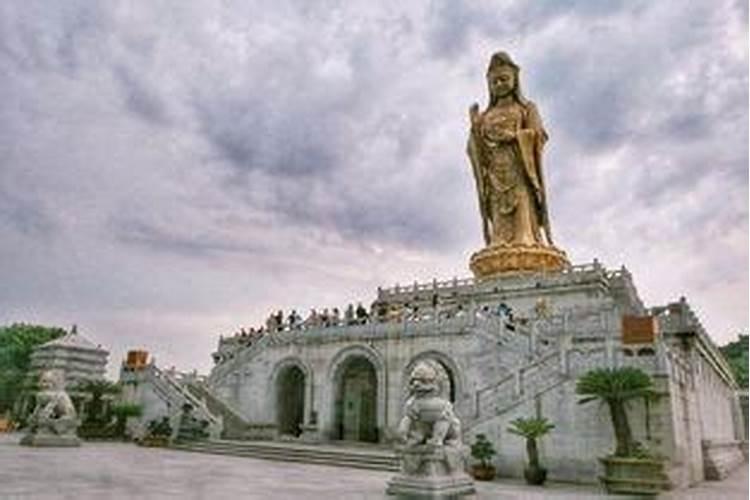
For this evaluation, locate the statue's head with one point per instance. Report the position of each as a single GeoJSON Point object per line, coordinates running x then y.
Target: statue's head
{"type": "Point", "coordinates": [52, 380]}
{"type": "Point", "coordinates": [502, 78]}
{"type": "Point", "coordinates": [424, 380]}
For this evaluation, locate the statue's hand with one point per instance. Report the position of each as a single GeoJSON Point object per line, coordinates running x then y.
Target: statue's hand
{"type": "Point", "coordinates": [507, 136]}
{"type": "Point", "coordinates": [474, 114]}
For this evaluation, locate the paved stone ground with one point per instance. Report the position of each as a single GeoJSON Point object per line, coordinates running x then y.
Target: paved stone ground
{"type": "Point", "coordinates": [120, 471]}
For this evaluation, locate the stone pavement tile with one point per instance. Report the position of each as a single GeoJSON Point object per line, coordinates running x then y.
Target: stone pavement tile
{"type": "Point", "coordinates": [734, 487]}
{"type": "Point", "coordinates": [104, 471]}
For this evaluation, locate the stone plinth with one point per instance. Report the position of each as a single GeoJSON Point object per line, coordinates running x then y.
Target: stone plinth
{"type": "Point", "coordinates": [50, 440]}
{"type": "Point", "coordinates": [721, 458]}
{"type": "Point", "coordinates": [500, 260]}
{"type": "Point", "coordinates": [429, 471]}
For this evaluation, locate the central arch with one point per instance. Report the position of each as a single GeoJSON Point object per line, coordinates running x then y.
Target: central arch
{"type": "Point", "coordinates": [355, 404]}
{"type": "Point", "coordinates": [290, 400]}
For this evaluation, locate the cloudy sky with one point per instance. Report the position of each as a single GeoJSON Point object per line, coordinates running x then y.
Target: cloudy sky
{"type": "Point", "coordinates": [173, 170]}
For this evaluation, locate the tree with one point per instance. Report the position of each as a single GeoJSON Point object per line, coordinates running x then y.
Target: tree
{"type": "Point", "coordinates": [616, 387]}
{"type": "Point", "coordinates": [97, 389]}
{"type": "Point", "coordinates": [17, 342]}
{"type": "Point", "coordinates": [483, 450]}
{"type": "Point", "coordinates": [737, 353]}
{"type": "Point", "coordinates": [121, 412]}
{"type": "Point", "coordinates": [532, 429]}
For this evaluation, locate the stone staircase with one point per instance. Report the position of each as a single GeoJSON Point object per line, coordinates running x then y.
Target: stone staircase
{"type": "Point", "coordinates": [173, 392]}
{"type": "Point", "coordinates": [234, 424]}
{"type": "Point", "coordinates": [526, 383]}
{"type": "Point", "coordinates": [339, 455]}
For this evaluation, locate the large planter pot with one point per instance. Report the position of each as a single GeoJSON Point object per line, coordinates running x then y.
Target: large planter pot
{"type": "Point", "coordinates": [154, 441]}
{"type": "Point", "coordinates": [635, 476]}
{"type": "Point", "coordinates": [483, 473]}
{"type": "Point", "coordinates": [535, 475]}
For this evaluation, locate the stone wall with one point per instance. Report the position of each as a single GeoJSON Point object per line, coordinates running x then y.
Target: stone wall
{"type": "Point", "coordinates": [565, 324]}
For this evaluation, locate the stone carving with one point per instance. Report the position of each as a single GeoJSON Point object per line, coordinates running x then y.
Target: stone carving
{"type": "Point", "coordinates": [428, 417]}
{"type": "Point", "coordinates": [505, 148]}
{"type": "Point", "coordinates": [54, 420]}
{"type": "Point", "coordinates": [433, 459]}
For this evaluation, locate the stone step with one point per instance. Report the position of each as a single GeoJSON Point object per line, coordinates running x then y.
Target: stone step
{"type": "Point", "coordinates": [356, 457]}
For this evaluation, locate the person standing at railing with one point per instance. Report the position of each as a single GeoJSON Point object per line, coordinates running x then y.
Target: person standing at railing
{"type": "Point", "coordinates": [361, 313]}
{"type": "Point", "coordinates": [349, 314]}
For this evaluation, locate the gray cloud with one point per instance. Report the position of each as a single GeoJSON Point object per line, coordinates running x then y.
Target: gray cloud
{"type": "Point", "coordinates": [202, 164]}
{"type": "Point", "coordinates": [140, 99]}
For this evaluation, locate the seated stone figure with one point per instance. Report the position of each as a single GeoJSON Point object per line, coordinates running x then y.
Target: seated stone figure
{"type": "Point", "coordinates": [53, 421]}
{"type": "Point", "coordinates": [433, 460]}
{"type": "Point", "coordinates": [428, 417]}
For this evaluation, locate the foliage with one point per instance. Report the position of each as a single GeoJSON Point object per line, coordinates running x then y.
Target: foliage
{"type": "Point", "coordinates": [121, 412]}
{"type": "Point", "coordinates": [616, 387]}
{"type": "Point", "coordinates": [97, 389]}
{"type": "Point", "coordinates": [737, 353]}
{"type": "Point", "coordinates": [530, 428]}
{"type": "Point", "coordinates": [483, 450]}
{"type": "Point", "coordinates": [159, 428]}
{"type": "Point", "coordinates": [619, 384]}
{"type": "Point", "coordinates": [17, 342]}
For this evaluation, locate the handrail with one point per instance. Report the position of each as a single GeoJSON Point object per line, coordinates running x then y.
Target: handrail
{"type": "Point", "coordinates": [172, 387]}
{"type": "Point", "coordinates": [399, 289]}
{"type": "Point", "coordinates": [205, 389]}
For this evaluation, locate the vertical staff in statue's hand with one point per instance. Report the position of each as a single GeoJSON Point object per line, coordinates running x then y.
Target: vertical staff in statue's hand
{"type": "Point", "coordinates": [474, 150]}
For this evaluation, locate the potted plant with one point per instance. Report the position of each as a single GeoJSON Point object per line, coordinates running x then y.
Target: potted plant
{"type": "Point", "coordinates": [158, 433]}
{"type": "Point", "coordinates": [122, 412]}
{"type": "Point", "coordinates": [532, 429]}
{"type": "Point", "coordinates": [630, 469]}
{"type": "Point", "coordinates": [97, 415]}
{"type": "Point", "coordinates": [483, 451]}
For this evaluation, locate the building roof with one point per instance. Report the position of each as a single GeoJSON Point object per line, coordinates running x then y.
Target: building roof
{"type": "Point", "coordinates": [73, 340]}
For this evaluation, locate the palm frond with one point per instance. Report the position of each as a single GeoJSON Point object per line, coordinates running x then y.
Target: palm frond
{"type": "Point", "coordinates": [530, 428]}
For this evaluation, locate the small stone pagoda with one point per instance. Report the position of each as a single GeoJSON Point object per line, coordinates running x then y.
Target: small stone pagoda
{"type": "Point", "coordinates": [74, 355]}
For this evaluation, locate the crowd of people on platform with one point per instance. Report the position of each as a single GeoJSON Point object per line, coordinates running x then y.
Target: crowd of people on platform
{"type": "Point", "coordinates": [278, 321]}
{"type": "Point", "coordinates": [326, 318]}
{"type": "Point", "coordinates": [380, 312]}
{"type": "Point", "coordinates": [358, 315]}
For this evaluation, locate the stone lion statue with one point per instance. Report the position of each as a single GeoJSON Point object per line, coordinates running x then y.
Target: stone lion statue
{"type": "Point", "coordinates": [54, 414]}
{"type": "Point", "coordinates": [428, 417]}
{"type": "Point", "coordinates": [433, 460]}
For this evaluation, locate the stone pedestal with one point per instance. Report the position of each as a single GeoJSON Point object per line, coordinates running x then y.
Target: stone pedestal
{"type": "Point", "coordinates": [431, 472]}
{"type": "Point", "coordinates": [720, 458]}
{"type": "Point", "coordinates": [50, 440]}
{"type": "Point", "coordinates": [310, 433]}
{"type": "Point", "coordinates": [499, 260]}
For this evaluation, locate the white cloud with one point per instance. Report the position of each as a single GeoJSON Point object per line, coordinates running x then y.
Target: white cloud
{"type": "Point", "coordinates": [171, 171]}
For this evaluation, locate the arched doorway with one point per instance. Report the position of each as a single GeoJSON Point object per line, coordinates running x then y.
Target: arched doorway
{"type": "Point", "coordinates": [450, 390]}
{"type": "Point", "coordinates": [355, 406]}
{"type": "Point", "coordinates": [290, 401]}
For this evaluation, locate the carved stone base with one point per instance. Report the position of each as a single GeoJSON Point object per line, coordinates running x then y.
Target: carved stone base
{"type": "Point", "coordinates": [499, 260]}
{"type": "Point", "coordinates": [431, 472]}
{"type": "Point", "coordinates": [446, 487]}
{"type": "Point", "coordinates": [50, 440]}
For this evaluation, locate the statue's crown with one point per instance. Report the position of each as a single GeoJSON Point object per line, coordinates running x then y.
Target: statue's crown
{"type": "Point", "coordinates": [500, 59]}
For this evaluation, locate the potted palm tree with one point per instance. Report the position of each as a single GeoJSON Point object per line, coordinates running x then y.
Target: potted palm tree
{"type": "Point", "coordinates": [97, 415]}
{"type": "Point", "coordinates": [532, 429]}
{"type": "Point", "coordinates": [629, 469]}
{"type": "Point", "coordinates": [122, 412]}
{"type": "Point", "coordinates": [158, 433]}
{"type": "Point", "coordinates": [483, 451]}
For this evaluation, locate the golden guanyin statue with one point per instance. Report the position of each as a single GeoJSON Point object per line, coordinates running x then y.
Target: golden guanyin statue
{"type": "Point", "coordinates": [505, 148]}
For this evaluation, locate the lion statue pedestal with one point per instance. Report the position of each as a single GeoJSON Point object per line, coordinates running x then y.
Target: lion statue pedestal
{"type": "Point", "coordinates": [54, 420]}
{"type": "Point", "coordinates": [433, 459]}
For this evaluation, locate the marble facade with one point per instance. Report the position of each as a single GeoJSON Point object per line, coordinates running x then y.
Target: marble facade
{"type": "Point", "coordinates": [564, 324]}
